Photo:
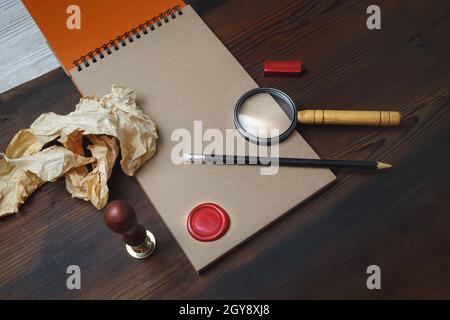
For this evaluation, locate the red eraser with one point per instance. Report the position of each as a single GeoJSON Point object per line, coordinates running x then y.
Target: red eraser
{"type": "Point", "coordinates": [289, 68]}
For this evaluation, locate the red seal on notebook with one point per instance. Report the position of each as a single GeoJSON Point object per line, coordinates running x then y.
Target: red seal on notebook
{"type": "Point", "coordinates": [208, 222]}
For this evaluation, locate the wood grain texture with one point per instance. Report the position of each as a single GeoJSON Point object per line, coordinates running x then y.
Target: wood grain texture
{"type": "Point", "coordinates": [396, 219]}
{"type": "Point", "coordinates": [24, 53]}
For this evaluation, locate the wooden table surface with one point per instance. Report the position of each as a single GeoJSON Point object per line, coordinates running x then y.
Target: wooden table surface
{"type": "Point", "coordinates": [398, 220]}
{"type": "Point", "coordinates": [24, 53]}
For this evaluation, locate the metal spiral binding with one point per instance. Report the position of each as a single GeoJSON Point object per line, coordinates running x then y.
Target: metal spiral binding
{"type": "Point", "coordinates": [114, 45]}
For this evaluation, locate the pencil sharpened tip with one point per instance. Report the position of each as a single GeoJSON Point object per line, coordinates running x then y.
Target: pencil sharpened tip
{"type": "Point", "coordinates": [382, 165]}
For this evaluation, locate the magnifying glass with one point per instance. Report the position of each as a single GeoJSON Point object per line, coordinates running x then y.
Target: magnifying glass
{"type": "Point", "coordinates": [268, 115]}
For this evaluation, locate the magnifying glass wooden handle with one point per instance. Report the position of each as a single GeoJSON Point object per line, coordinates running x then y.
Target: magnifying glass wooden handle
{"type": "Point", "coordinates": [349, 117]}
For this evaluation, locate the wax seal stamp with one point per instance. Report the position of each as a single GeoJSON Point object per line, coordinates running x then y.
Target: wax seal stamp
{"type": "Point", "coordinates": [120, 217]}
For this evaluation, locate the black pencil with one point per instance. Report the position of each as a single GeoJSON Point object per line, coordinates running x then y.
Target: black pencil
{"type": "Point", "coordinates": [290, 162]}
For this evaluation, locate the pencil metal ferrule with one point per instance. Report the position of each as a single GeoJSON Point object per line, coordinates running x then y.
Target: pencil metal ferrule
{"type": "Point", "coordinates": [194, 158]}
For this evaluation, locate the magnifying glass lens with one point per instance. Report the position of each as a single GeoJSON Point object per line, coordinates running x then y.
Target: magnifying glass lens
{"type": "Point", "coordinates": [265, 115]}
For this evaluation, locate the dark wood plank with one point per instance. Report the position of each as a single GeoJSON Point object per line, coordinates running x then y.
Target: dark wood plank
{"type": "Point", "coordinates": [397, 219]}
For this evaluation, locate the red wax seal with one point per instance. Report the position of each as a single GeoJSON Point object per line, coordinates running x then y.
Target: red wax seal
{"type": "Point", "coordinates": [208, 222]}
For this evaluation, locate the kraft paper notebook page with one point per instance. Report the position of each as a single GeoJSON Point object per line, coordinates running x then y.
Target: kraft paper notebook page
{"type": "Point", "coordinates": [182, 73]}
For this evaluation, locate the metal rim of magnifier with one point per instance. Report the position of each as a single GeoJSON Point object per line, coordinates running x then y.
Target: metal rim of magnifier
{"type": "Point", "coordinates": [273, 92]}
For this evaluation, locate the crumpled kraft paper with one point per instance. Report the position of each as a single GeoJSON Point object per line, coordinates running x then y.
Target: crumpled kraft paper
{"type": "Point", "coordinates": [106, 124]}
{"type": "Point", "coordinates": [20, 177]}
{"type": "Point", "coordinates": [93, 185]}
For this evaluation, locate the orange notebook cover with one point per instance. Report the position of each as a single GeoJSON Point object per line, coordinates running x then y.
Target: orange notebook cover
{"type": "Point", "coordinates": [101, 21]}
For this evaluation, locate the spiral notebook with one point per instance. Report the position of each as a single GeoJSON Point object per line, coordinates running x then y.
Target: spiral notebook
{"type": "Point", "coordinates": [182, 73]}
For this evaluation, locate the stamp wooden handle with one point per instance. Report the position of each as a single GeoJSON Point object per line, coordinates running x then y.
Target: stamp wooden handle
{"type": "Point", "coordinates": [120, 217]}
{"type": "Point", "coordinates": [349, 117]}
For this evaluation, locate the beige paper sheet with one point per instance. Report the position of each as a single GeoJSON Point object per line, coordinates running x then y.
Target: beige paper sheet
{"type": "Point", "coordinates": [182, 73]}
